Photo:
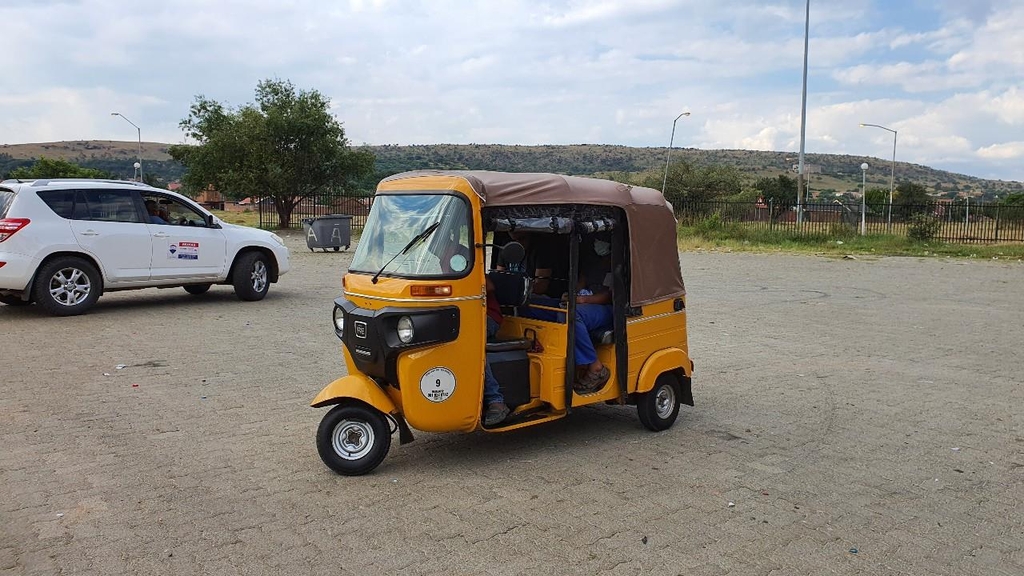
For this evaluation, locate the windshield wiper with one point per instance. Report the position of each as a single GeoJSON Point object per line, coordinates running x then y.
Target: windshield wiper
{"type": "Point", "coordinates": [416, 240]}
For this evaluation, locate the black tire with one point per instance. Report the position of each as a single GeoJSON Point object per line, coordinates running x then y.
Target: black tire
{"type": "Point", "coordinates": [252, 276]}
{"type": "Point", "coordinates": [13, 301]}
{"type": "Point", "coordinates": [659, 408]}
{"type": "Point", "coordinates": [197, 289]}
{"type": "Point", "coordinates": [67, 286]}
{"type": "Point", "coordinates": [337, 248]}
{"type": "Point", "coordinates": [353, 439]}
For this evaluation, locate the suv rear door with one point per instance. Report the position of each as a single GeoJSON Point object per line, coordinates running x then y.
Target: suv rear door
{"type": "Point", "coordinates": [108, 225]}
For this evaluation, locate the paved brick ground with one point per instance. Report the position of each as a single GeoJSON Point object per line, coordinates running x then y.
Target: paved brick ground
{"type": "Point", "coordinates": [841, 405]}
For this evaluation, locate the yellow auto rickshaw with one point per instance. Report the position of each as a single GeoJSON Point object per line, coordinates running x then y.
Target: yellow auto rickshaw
{"type": "Point", "coordinates": [413, 315]}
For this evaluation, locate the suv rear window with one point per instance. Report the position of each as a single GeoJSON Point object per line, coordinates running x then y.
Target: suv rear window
{"type": "Point", "coordinates": [107, 206]}
{"type": "Point", "coordinates": [6, 199]}
{"type": "Point", "coordinates": [60, 201]}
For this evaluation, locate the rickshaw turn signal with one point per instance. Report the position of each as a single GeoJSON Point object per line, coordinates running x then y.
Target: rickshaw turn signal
{"type": "Point", "coordinates": [431, 290]}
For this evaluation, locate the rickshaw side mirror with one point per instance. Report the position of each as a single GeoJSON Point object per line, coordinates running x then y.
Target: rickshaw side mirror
{"type": "Point", "coordinates": [513, 252]}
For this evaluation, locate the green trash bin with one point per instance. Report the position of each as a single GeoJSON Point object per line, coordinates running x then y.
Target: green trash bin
{"type": "Point", "coordinates": [332, 231]}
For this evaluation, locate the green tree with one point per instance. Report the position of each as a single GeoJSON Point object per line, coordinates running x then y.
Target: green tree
{"type": "Point", "coordinates": [778, 192]}
{"type": "Point", "coordinates": [909, 199]}
{"type": "Point", "coordinates": [688, 182]}
{"type": "Point", "coordinates": [1013, 200]}
{"type": "Point", "coordinates": [877, 200]}
{"type": "Point", "coordinates": [911, 194]}
{"type": "Point", "coordinates": [287, 146]}
{"type": "Point", "coordinates": [53, 168]}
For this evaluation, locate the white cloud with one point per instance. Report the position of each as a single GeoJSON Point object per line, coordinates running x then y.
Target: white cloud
{"type": "Point", "coordinates": [562, 71]}
{"type": "Point", "coordinates": [1004, 151]}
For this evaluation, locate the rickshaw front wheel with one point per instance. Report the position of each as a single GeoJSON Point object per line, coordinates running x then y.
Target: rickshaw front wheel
{"type": "Point", "coordinates": [659, 408]}
{"type": "Point", "coordinates": [353, 439]}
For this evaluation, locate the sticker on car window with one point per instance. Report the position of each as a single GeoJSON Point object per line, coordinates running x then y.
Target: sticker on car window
{"type": "Point", "coordinates": [183, 251]}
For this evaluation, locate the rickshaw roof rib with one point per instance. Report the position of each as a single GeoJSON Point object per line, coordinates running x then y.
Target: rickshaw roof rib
{"type": "Point", "coordinates": [652, 225]}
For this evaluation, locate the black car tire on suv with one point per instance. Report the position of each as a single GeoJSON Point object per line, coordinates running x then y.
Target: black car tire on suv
{"type": "Point", "coordinates": [63, 280]}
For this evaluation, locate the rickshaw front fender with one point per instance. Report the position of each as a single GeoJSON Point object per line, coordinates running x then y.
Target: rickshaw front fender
{"type": "Point", "coordinates": [671, 360]}
{"type": "Point", "coordinates": [356, 387]}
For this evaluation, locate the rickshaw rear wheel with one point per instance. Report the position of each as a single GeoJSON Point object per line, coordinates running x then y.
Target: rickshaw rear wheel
{"type": "Point", "coordinates": [353, 439]}
{"type": "Point", "coordinates": [659, 408]}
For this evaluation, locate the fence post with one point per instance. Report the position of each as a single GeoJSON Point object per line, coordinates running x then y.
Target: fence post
{"type": "Point", "coordinates": [771, 214]}
{"type": "Point", "coordinates": [997, 222]}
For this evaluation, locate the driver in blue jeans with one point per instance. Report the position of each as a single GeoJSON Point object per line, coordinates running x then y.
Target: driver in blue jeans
{"type": "Point", "coordinates": [497, 410]}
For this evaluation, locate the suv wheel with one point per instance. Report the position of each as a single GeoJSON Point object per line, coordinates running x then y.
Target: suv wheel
{"type": "Point", "coordinates": [67, 286]}
{"type": "Point", "coordinates": [197, 289]}
{"type": "Point", "coordinates": [252, 276]}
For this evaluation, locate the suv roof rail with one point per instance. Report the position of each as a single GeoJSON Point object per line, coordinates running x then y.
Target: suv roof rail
{"type": "Point", "coordinates": [44, 182]}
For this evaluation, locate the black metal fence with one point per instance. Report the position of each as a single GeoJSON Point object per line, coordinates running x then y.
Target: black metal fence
{"type": "Point", "coordinates": [949, 221]}
{"type": "Point", "coordinates": [955, 221]}
{"type": "Point", "coordinates": [358, 207]}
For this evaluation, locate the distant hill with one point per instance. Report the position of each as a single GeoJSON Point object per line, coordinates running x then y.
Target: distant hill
{"type": "Point", "coordinates": [830, 173]}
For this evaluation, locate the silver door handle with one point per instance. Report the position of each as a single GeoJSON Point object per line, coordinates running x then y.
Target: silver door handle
{"type": "Point", "coordinates": [160, 235]}
{"type": "Point", "coordinates": [90, 233]}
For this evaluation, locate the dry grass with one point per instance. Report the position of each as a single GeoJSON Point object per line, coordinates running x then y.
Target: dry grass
{"type": "Point", "coordinates": [247, 218]}
{"type": "Point", "coordinates": [87, 149]}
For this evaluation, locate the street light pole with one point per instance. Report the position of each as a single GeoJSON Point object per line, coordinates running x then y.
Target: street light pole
{"type": "Point", "coordinates": [800, 182]}
{"type": "Point", "coordinates": [863, 198]}
{"type": "Point", "coordinates": [668, 157]}
{"type": "Point", "coordinates": [139, 163]}
{"type": "Point", "coordinates": [892, 175]}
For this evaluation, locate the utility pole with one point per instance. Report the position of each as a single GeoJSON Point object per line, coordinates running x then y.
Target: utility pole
{"type": "Point", "coordinates": [803, 124]}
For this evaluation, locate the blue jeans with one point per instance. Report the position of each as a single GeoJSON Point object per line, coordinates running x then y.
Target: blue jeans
{"type": "Point", "coordinates": [492, 393]}
{"type": "Point", "coordinates": [589, 317]}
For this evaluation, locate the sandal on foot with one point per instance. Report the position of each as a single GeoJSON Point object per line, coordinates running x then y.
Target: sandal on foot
{"type": "Point", "coordinates": [593, 381]}
{"type": "Point", "coordinates": [496, 413]}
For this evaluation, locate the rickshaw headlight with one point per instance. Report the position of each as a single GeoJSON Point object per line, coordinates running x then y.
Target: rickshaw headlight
{"type": "Point", "coordinates": [405, 329]}
{"type": "Point", "coordinates": [339, 322]}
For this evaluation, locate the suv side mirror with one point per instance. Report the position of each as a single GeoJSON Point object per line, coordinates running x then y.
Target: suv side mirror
{"type": "Point", "coordinates": [210, 223]}
{"type": "Point", "coordinates": [513, 252]}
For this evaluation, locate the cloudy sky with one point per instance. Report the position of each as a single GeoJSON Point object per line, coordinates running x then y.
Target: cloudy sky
{"type": "Point", "coordinates": [947, 74]}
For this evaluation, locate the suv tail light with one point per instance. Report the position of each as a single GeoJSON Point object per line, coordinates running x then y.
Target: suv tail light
{"type": "Point", "coordinates": [8, 226]}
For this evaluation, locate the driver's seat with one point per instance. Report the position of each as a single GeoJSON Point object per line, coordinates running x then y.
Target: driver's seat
{"type": "Point", "coordinates": [512, 289]}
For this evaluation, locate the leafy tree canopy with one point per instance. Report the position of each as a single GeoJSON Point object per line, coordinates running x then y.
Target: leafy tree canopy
{"type": "Point", "coordinates": [1014, 200]}
{"type": "Point", "coordinates": [877, 198]}
{"type": "Point", "coordinates": [911, 194]}
{"type": "Point", "coordinates": [778, 192]}
{"type": "Point", "coordinates": [688, 182]}
{"type": "Point", "coordinates": [48, 168]}
{"type": "Point", "coordinates": [287, 146]}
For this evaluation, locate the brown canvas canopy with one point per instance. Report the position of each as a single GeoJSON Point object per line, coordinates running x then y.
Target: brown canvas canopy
{"type": "Point", "coordinates": [652, 224]}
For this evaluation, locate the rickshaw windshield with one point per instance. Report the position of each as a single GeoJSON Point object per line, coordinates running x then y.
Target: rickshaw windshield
{"type": "Point", "coordinates": [396, 219]}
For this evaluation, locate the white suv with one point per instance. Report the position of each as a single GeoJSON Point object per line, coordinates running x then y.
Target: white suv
{"type": "Point", "coordinates": [63, 242]}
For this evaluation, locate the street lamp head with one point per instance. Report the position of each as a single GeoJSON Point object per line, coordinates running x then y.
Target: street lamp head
{"type": "Point", "coordinates": [137, 165]}
{"type": "Point", "coordinates": [115, 113]}
{"type": "Point", "coordinates": [864, 166]}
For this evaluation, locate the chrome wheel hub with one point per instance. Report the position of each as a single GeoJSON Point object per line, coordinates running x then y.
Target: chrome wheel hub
{"type": "Point", "coordinates": [352, 439]}
{"type": "Point", "coordinates": [665, 402]}
{"type": "Point", "coordinates": [259, 276]}
{"type": "Point", "coordinates": [70, 286]}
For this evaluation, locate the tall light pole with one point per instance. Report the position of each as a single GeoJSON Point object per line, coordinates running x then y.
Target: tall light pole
{"type": "Point", "coordinates": [139, 163]}
{"type": "Point", "coordinates": [863, 198]}
{"type": "Point", "coordinates": [668, 157]}
{"type": "Point", "coordinates": [892, 175]}
{"type": "Point", "coordinates": [803, 123]}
